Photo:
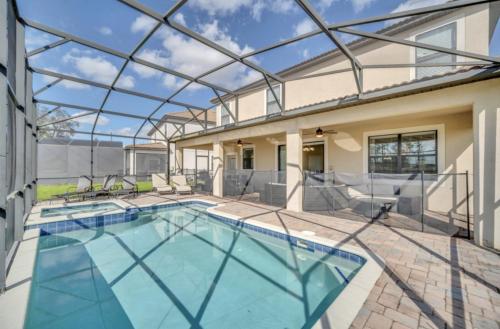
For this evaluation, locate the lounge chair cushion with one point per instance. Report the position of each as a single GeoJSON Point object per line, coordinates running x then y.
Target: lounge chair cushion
{"type": "Point", "coordinates": [164, 189]}
{"type": "Point", "coordinates": [183, 189]}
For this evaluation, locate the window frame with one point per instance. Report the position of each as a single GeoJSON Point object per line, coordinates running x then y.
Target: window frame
{"type": "Point", "coordinates": [243, 157]}
{"type": "Point", "coordinates": [435, 55]}
{"type": "Point", "coordinates": [399, 156]}
{"type": "Point", "coordinates": [222, 110]}
{"type": "Point", "coordinates": [267, 101]}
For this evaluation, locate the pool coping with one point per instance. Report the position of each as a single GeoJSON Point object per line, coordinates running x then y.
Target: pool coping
{"type": "Point", "coordinates": [339, 315]}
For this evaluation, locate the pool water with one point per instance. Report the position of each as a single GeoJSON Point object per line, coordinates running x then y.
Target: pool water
{"type": "Point", "coordinates": [178, 267]}
{"type": "Point", "coordinates": [70, 210]}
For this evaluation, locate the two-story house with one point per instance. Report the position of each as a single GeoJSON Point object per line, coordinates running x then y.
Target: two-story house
{"type": "Point", "coordinates": [429, 111]}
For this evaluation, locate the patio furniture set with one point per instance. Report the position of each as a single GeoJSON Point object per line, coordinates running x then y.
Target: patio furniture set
{"type": "Point", "coordinates": [84, 190]}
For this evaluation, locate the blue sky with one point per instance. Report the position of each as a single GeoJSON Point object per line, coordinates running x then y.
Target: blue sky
{"type": "Point", "coordinates": [239, 25]}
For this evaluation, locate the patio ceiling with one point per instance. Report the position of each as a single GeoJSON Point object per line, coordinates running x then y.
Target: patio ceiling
{"type": "Point", "coordinates": [205, 79]}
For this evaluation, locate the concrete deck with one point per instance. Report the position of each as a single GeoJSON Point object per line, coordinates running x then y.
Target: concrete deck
{"type": "Point", "coordinates": [429, 281]}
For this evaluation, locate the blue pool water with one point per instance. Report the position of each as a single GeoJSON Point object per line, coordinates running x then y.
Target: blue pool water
{"type": "Point", "coordinates": [179, 267]}
{"type": "Point", "coordinates": [70, 210]}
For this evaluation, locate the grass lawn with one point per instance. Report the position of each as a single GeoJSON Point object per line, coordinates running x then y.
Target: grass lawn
{"type": "Point", "coordinates": [46, 192]}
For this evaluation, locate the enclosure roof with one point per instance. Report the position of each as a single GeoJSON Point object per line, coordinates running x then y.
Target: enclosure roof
{"type": "Point", "coordinates": [153, 62]}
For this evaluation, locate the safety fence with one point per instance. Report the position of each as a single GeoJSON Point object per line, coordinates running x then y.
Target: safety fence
{"type": "Point", "coordinates": [434, 203]}
{"type": "Point", "coordinates": [267, 187]}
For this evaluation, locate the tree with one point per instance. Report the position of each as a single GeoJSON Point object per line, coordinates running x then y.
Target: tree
{"type": "Point", "coordinates": [44, 117]}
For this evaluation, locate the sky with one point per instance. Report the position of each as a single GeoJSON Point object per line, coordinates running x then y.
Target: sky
{"type": "Point", "coordinates": [239, 25]}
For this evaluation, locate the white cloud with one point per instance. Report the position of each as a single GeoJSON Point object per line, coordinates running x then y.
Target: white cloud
{"type": "Point", "coordinates": [126, 81]}
{"type": "Point", "coordinates": [126, 131]}
{"type": "Point", "coordinates": [156, 56]}
{"type": "Point", "coordinates": [304, 26]}
{"type": "Point", "coordinates": [65, 83]}
{"type": "Point", "coordinates": [360, 5]}
{"type": "Point", "coordinates": [305, 53]}
{"type": "Point", "coordinates": [95, 68]}
{"type": "Point", "coordinates": [413, 4]}
{"type": "Point", "coordinates": [190, 57]}
{"type": "Point", "coordinates": [90, 119]}
{"type": "Point", "coordinates": [179, 18]}
{"type": "Point", "coordinates": [142, 24]}
{"type": "Point", "coordinates": [104, 30]}
{"type": "Point", "coordinates": [256, 7]}
{"type": "Point", "coordinates": [35, 40]}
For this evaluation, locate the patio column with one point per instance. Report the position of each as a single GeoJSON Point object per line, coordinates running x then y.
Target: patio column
{"type": "Point", "coordinates": [179, 161]}
{"type": "Point", "coordinates": [486, 118]}
{"type": "Point", "coordinates": [294, 188]}
{"type": "Point", "coordinates": [218, 169]}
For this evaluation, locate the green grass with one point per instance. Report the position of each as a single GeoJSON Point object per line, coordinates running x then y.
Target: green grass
{"type": "Point", "coordinates": [46, 192]}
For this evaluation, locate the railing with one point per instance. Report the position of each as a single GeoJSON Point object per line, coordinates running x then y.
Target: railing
{"type": "Point", "coordinates": [268, 187]}
{"type": "Point", "coordinates": [201, 181]}
{"type": "Point", "coordinates": [437, 203]}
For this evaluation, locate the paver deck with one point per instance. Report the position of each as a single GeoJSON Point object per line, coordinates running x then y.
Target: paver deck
{"type": "Point", "coordinates": [429, 281]}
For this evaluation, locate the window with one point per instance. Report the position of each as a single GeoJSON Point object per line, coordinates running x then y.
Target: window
{"type": "Point", "coordinates": [272, 105]}
{"type": "Point", "coordinates": [403, 153]}
{"type": "Point", "coordinates": [282, 157]}
{"type": "Point", "coordinates": [248, 158]}
{"type": "Point", "coordinates": [225, 117]}
{"type": "Point", "coordinates": [444, 36]}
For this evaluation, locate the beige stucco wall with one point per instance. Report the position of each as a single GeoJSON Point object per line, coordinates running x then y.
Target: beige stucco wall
{"type": "Point", "coordinates": [473, 34]}
{"type": "Point", "coordinates": [346, 147]}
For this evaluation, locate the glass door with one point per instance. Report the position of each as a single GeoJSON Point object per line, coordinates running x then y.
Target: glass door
{"type": "Point", "coordinates": [313, 158]}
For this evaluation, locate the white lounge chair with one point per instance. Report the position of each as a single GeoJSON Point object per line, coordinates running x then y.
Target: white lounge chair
{"type": "Point", "coordinates": [83, 186]}
{"type": "Point", "coordinates": [180, 184]}
{"type": "Point", "coordinates": [160, 184]}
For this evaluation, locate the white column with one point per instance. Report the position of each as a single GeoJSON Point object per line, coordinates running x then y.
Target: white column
{"type": "Point", "coordinates": [486, 179]}
{"type": "Point", "coordinates": [179, 160]}
{"type": "Point", "coordinates": [218, 168]}
{"type": "Point", "coordinates": [294, 175]}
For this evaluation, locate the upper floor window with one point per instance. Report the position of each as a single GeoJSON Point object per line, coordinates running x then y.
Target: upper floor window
{"type": "Point", "coordinates": [225, 117]}
{"type": "Point", "coordinates": [444, 36]}
{"type": "Point", "coordinates": [403, 153]}
{"type": "Point", "coordinates": [272, 105]}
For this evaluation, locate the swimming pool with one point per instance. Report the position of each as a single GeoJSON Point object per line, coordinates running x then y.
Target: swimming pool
{"type": "Point", "coordinates": [77, 209]}
{"type": "Point", "coordinates": [180, 267]}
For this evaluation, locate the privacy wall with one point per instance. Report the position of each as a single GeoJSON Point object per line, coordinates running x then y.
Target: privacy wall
{"type": "Point", "coordinates": [17, 136]}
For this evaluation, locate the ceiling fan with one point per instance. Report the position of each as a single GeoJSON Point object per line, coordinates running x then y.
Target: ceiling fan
{"type": "Point", "coordinates": [320, 133]}
{"type": "Point", "coordinates": [240, 143]}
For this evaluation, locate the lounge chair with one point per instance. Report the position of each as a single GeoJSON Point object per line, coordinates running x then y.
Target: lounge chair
{"type": "Point", "coordinates": [180, 184]}
{"type": "Point", "coordinates": [160, 184]}
{"type": "Point", "coordinates": [83, 186]}
{"type": "Point", "coordinates": [129, 186]}
{"type": "Point", "coordinates": [107, 185]}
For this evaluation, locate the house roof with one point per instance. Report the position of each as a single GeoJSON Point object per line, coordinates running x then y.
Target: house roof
{"type": "Point", "coordinates": [183, 116]}
{"type": "Point", "coordinates": [149, 146]}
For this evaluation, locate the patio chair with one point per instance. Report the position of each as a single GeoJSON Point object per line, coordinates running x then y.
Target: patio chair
{"type": "Point", "coordinates": [180, 184]}
{"type": "Point", "coordinates": [83, 186]}
{"type": "Point", "coordinates": [160, 184]}
{"type": "Point", "coordinates": [107, 185]}
{"type": "Point", "coordinates": [129, 186]}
